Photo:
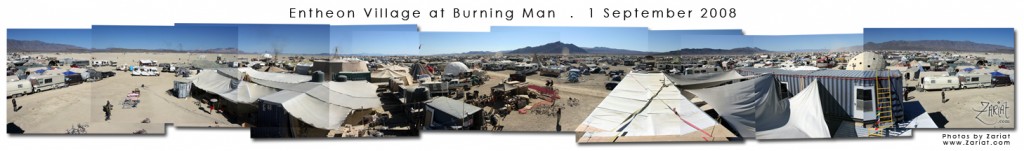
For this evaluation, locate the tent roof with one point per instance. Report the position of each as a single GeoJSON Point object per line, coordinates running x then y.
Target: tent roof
{"type": "Point", "coordinates": [325, 105]}
{"type": "Point", "coordinates": [799, 117]}
{"type": "Point", "coordinates": [456, 68]}
{"type": "Point", "coordinates": [705, 80]}
{"type": "Point", "coordinates": [455, 108]}
{"type": "Point", "coordinates": [737, 103]}
{"type": "Point", "coordinates": [645, 105]}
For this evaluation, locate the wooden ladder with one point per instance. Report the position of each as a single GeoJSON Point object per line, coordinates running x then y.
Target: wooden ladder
{"type": "Point", "coordinates": [883, 103]}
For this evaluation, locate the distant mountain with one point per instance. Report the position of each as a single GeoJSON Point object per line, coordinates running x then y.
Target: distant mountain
{"type": "Point", "coordinates": [213, 50]}
{"type": "Point", "coordinates": [40, 46]}
{"type": "Point", "coordinates": [937, 45]}
{"type": "Point", "coordinates": [711, 51]}
{"type": "Point", "coordinates": [615, 51]}
{"type": "Point", "coordinates": [550, 48]}
{"type": "Point", "coordinates": [840, 49]}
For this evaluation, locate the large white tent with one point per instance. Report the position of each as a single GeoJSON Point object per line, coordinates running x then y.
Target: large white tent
{"type": "Point", "coordinates": [325, 105]}
{"type": "Point", "coordinates": [697, 81]}
{"type": "Point", "coordinates": [648, 107]}
{"type": "Point", "coordinates": [798, 117]}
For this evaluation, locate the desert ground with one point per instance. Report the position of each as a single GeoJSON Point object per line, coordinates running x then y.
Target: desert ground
{"type": "Point", "coordinates": [974, 107]}
{"type": "Point", "coordinates": [60, 110]}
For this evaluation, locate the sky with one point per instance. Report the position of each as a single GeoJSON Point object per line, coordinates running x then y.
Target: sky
{"type": "Point", "coordinates": [996, 36]}
{"type": "Point", "coordinates": [76, 37]}
{"type": "Point", "coordinates": [805, 42]}
{"type": "Point", "coordinates": [668, 40]}
{"type": "Point", "coordinates": [458, 42]}
{"type": "Point", "coordinates": [291, 39]}
{"type": "Point", "coordinates": [375, 39]}
{"type": "Point", "coordinates": [631, 38]}
{"type": "Point", "coordinates": [164, 37]}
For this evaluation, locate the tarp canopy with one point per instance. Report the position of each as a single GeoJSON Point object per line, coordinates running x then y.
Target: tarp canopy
{"type": "Point", "coordinates": [455, 108]}
{"type": "Point", "coordinates": [647, 105]}
{"type": "Point", "coordinates": [392, 74]}
{"type": "Point", "coordinates": [798, 117]}
{"type": "Point", "coordinates": [248, 93]}
{"type": "Point", "coordinates": [455, 68]}
{"type": "Point", "coordinates": [213, 81]}
{"type": "Point", "coordinates": [737, 103]}
{"type": "Point", "coordinates": [326, 105]}
{"type": "Point", "coordinates": [698, 81]}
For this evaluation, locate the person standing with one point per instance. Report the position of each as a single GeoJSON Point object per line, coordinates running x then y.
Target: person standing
{"type": "Point", "coordinates": [107, 109]}
{"type": "Point", "coordinates": [14, 104]}
{"type": "Point", "coordinates": [944, 96]}
{"type": "Point", "coordinates": [213, 105]}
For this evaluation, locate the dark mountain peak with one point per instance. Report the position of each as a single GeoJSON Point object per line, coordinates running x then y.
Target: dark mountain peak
{"type": "Point", "coordinates": [550, 48]}
{"type": "Point", "coordinates": [14, 45]}
{"type": "Point", "coordinates": [714, 51]}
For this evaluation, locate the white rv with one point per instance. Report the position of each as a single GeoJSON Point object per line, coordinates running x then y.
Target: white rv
{"type": "Point", "coordinates": [939, 83]}
{"type": "Point", "coordinates": [47, 82]}
{"type": "Point", "coordinates": [975, 80]}
{"type": "Point", "coordinates": [19, 88]}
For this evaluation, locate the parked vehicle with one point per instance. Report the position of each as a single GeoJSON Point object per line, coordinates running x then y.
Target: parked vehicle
{"type": "Point", "coordinates": [939, 83]}
{"type": "Point", "coordinates": [18, 88]}
{"type": "Point", "coordinates": [436, 88]}
{"type": "Point", "coordinates": [73, 79]}
{"type": "Point", "coordinates": [975, 80]}
{"type": "Point", "coordinates": [527, 69]}
{"type": "Point", "coordinates": [48, 82]}
{"type": "Point", "coordinates": [1001, 81]}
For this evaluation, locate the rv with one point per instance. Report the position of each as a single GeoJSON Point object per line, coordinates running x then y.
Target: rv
{"type": "Point", "coordinates": [436, 88]}
{"type": "Point", "coordinates": [527, 69]}
{"type": "Point", "coordinates": [975, 80]}
{"type": "Point", "coordinates": [939, 83]}
{"type": "Point", "coordinates": [47, 82]}
{"type": "Point", "coordinates": [18, 88]}
{"type": "Point", "coordinates": [552, 71]}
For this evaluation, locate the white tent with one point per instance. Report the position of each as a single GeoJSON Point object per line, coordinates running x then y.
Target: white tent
{"type": "Point", "coordinates": [737, 103]}
{"type": "Point", "coordinates": [799, 117]}
{"type": "Point", "coordinates": [213, 82]}
{"type": "Point", "coordinates": [326, 105]}
{"type": "Point", "coordinates": [248, 93]}
{"type": "Point", "coordinates": [392, 74]}
{"type": "Point", "coordinates": [648, 105]}
{"type": "Point", "coordinates": [455, 68]}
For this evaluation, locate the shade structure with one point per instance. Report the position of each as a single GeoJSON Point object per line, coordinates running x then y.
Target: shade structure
{"type": "Point", "coordinates": [699, 81]}
{"type": "Point", "coordinates": [798, 117]}
{"type": "Point", "coordinates": [325, 105]}
{"type": "Point", "coordinates": [388, 74]}
{"type": "Point", "coordinates": [646, 106]}
{"type": "Point", "coordinates": [737, 103]}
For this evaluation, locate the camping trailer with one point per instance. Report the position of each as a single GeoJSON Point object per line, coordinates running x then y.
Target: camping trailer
{"type": "Point", "coordinates": [975, 80]}
{"type": "Point", "coordinates": [19, 88]}
{"type": "Point", "coordinates": [939, 83]}
{"type": "Point", "coordinates": [856, 91]}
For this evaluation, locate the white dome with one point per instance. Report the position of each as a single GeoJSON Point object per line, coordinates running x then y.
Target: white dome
{"type": "Point", "coordinates": [456, 68]}
{"type": "Point", "coordinates": [867, 61]}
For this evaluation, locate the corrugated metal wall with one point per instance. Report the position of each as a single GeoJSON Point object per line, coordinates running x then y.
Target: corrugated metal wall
{"type": "Point", "coordinates": [840, 83]}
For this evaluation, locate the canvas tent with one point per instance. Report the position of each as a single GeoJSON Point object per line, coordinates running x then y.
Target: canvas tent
{"type": "Point", "coordinates": [646, 107]}
{"type": "Point", "coordinates": [324, 105]}
{"type": "Point", "coordinates": [737, 103]}
{"type": "Point", "coordinates": [385, 75]}
{"type": "Point", "coordinates": [799, 117]}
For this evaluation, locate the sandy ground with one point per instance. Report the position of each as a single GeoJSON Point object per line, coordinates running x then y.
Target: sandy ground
{"type": "Point", "coordinates": [590, 90]}
{"type": "Point", "coordinates": [57, 111]}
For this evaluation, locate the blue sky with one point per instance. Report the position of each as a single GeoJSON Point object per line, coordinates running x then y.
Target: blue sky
{"type": "Point", "coordinates": [803, 42]}
{"type": "Point", "coordinates": [76, 37]}
{"type": "Point", "coordinates": [459, 42]}
{"type": "Point", "coordinates": [291, 39]}
{"type": "Point", "coordinates": [632, 38]}
{"type": "Point", "coordinates": [668, 40]}
{"type": "Point", "coordinates": [996, 36]}
{"type": "Point", "coordinates": [711, 41]}
{"type": "Point", "coordinates": [164, 37]}
{"type": "Point", "coordinates": [375, 39]}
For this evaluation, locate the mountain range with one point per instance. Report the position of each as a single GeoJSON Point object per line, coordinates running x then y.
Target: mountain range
{"type": "Point", "coordinates": [14, 45]}
{"type": "Point", "coordinates": [556, 48]}
{"type": "Point", "coordinates": [937, 45]}
{"type": "Point", "coordinates": [713, 51]}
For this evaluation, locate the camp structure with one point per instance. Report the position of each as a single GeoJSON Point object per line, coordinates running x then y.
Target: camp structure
{"type": "Point", "coordinates": [737, 103]}
{"type": "Point", "coordinates": [241, 87]}
{"type": "Point", "coordinates": [803, 116]}
{"type": "Point", "coordinates": [455, 68]}
{"type": "Point", "coordinates": [445, 113]}
{"type": "Point", "coordinates": [873, 99]}
{"type": "Point", "coordinates": [313, 109]}
{"type": "Point", "coordinates": [698, 81]}
{"type": "Point", "coordinates": [646, 107]}
{"type": "Point", "coordinates": [387, 75]}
